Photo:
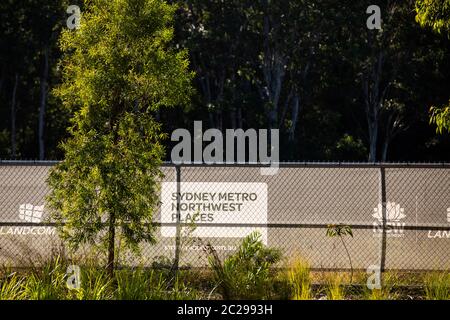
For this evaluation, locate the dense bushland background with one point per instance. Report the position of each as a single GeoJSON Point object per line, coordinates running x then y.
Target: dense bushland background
{"type": "Point", "coordinates": [336, 90]}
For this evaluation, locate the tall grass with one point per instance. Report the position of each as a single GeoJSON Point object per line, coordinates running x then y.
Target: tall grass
{"type": "Point", "coordinates": [141, 284]}
{"type": "Point", "coordinates": [95, 285]}
{"type": "Point", "coordinates": [181, 290]}
{"type": "Point", "coordinates": [334, 286]}
{"type": "Point", "coordinates": [47, 283]}
{"type": "Point", "coordinates": [132, 285]}
{"type": "Point", "coordinates": [11, 287]}
{"type": "Point", "coordinates": [386, 292]}
{"type": "Point", "coordinates": [298, 277]}
{"type": "Point", "coordinates": [246, 275]}
{"type": "Point", "coordinates": [437, 286]}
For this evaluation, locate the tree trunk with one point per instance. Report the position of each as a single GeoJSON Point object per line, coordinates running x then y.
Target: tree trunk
{"type": "Point", "coordinates": [294, 118]}
{"type": "Point", "coordinates": [384, 151]}
{"type": "Point", "coordinates": [2, 77]}
{"type": "Point", "coordinates": [239, 116]}
{"type": "Point", "coordinates": [176, 260]}
{"type": "Point", "coordinates": [111, 244]}
{"type": "Point", "coordinates": [42, 106]}
{"type": "Point", "coordinates": [373, 139]}
{"type": "Point", "coordinates": [374, 97]}
{"type": "Point", "coordinates": [13, 118]}
{"type": "Point", "coordinates": [273, 70]}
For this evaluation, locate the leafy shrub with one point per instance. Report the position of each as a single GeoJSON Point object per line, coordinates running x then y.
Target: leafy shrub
{"type": "Point", "coordinates": [245, 274]}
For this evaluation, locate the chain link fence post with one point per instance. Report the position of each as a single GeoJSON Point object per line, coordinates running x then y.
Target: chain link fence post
{"type": "Point", "coordinates": [382, 197]}
{"type": "Point", "coordinates": [176, 260]}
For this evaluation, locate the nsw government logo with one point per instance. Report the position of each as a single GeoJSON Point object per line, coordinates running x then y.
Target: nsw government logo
{"type": "Point", "coordinates": [394, 216]}
{"type": "Point", "coordinates": [28, 213]}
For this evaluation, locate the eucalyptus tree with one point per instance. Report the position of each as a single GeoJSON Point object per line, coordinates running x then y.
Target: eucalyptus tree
{"type": "Point", "coordinates": [118, 69]}
{"type": "Point", "coordinates": [380, 59]}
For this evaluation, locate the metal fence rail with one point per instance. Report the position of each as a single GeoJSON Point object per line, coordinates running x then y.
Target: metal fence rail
{"type": "Point", "coordinates": [399, 213]}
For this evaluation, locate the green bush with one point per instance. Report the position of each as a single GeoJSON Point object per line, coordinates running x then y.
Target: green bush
{"type": "Point", "coordinates": [245, 274]}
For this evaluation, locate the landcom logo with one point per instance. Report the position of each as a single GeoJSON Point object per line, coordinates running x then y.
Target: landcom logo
{"type": "Point", "coordinates": [28, 213]}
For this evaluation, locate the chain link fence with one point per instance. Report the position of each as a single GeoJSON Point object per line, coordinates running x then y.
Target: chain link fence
{"type": "Point", "coordinates": [399, 214]}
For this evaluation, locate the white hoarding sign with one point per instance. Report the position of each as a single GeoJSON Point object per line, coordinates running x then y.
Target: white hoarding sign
{"type": "Point", "coordinates": [215, 203]}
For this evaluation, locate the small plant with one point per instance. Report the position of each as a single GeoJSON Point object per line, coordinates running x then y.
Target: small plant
{"type": "Point", "coordinates": [298, 276]}
{"type": "Point", "coordinates": [437, 286]}
{"type": "Point", "coordinates": [341, 230]}
{"type": "Point", "coordinates": [184, 237]}
{"type": "Point", "coordinates": [245, 274]}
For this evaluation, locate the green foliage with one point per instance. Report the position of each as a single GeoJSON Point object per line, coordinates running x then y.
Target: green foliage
{"type": "Point", "coordinates": [376, 294]}
{"type": "Point", "coordinates": [434, 14]}
{"type": "Point", "coordinates": [131, 285]}
{"type": "Point", "coordinates": [121, 57]}
{"type": "Point", "coordinates": [48, 283]}
{"type": "Point", "coordinates": [437, 286]}
{"type": "Point", "coordinates": [441, 117]}
{"type": "Point", "coordinates": [334, 287]}
{"type": "Point", "coordinates": [139, 284]}
{"type": "Point", "coordinates": [317, 51]}
{"type": "Point", "coordinates": [349, 147]}
{"type": "Point", "coordinates": [181, 290]}
{"type": "Point", "coordinates": [298, 277]}
{"type": "Point", "coordinates": [95, 284]}
{"type": "Point", "coordinates": [245, 274]}
{"type": "Point", "coordinates": [117, 70]}
{"type": "Point", "coordinates": [339, 230]}
{"type": "Point", "coordinates": [386, 292]}
{"type": "Point", "coordinates": [11, 287]}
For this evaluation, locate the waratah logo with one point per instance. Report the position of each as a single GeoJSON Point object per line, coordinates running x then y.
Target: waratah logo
{"type": "Point", "coordinates": [29, 213]}
{"type": "Point", "coordinates": [393, 212]}
{"type": "Point", "coordinates": [394, 215]}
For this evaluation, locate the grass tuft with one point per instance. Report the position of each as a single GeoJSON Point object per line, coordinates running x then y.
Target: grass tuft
{"type": "Point", "coordinates": [437, 286]}
{"type": "Point", "coordinates": [298, 276]}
